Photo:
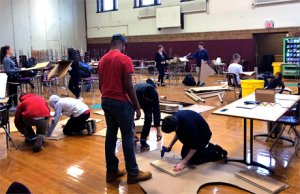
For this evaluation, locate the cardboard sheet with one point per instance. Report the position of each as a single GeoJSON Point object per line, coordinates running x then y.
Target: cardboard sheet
{"type": "Point", "coordinates": [206, 71]}
{"type": "Point", "coordinates": [100, 112]}
{"type": "Point", "coordinates": [37, 66]}
{"type": "Point", "coordinates": [12, 126]}
{"type": "Point", "coordinates": [58, 134]}
{"type": "Point", "coordinates": [198, 108]}
{"type": "Point", "coordinates": [190, 182]}
{"type": "Point", "coordinates": [60, 70]}
{"type": "Point", "coordinates": [102, 133]}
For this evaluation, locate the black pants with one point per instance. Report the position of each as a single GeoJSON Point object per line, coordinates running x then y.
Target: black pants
{"type": "Point", "coordinates": [13, 90]}
{"type": "Point", "coordinates": [76, 124]}
{"type": "Point", "coordinates": [161, 73]}
{"type": "Point", "coordinates": [74, 86]}
{"type": "Point", "coordinates": [147, 124]}
{"type": "Point", "coordinates": [203, 155]}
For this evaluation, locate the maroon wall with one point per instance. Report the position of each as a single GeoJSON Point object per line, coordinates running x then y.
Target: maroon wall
{"type": "Point", "coordinates": [216, 48]}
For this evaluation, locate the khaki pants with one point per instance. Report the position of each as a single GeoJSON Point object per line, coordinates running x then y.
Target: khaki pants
{"type": "Point", "coordinates": [198, 70]}
{"type": "Point", "coordinates": [41, 124]}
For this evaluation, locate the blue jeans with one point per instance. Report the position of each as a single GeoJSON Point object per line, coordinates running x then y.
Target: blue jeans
{"type": "Point", "coordinates": [119, 114]}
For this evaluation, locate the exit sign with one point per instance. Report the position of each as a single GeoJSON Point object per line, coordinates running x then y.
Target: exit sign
{"type": "Point", "coordinates": [269, 24]}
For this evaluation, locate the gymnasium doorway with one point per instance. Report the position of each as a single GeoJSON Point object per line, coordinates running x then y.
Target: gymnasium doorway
{"type": "Point", "coordinates": [268, 49]}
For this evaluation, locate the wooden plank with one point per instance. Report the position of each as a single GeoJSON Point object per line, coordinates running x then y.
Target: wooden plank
{"type": "Point", "coordinates": [209, 88]}
{"type": "Point", "coordinates": [264, 182]}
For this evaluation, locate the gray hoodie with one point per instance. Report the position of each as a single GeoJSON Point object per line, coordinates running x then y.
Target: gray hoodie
{"type": "Point", "coordinates": [65, 106]}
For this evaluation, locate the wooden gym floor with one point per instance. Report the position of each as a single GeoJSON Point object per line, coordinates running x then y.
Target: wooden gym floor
{"type": "Point", "coordinates": [77, 164]}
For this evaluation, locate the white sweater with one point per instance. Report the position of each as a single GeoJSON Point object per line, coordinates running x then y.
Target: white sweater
{"type": "Point", "coordinates": [67, 106]}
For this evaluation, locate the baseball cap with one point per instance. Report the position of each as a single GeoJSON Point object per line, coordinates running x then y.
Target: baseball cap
{"type": "Point", "coordinates": [119, 37]}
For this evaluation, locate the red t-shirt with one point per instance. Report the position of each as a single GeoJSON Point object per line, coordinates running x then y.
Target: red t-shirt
{"type": "Point", "coordinates": [112, 68]}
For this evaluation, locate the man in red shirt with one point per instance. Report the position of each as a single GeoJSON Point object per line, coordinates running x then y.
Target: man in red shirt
{"type": "Point", "coordinates": [119, 103]}
{"type": "Point", "coordinates": [33, 111]}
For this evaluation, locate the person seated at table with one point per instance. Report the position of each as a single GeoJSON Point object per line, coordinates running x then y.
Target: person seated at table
{"type": "Point", "coordinates": [236, 68]}
{"type": "Point", "coordinates": [12, 72]}
{"type": "Point", "coordinates": [78, 112]}
{"type": "Point", "coordinates": [74, 73]}
{"type": "Point", "coordinates": [33, 110]}
{"type": "Point", "coordinates": [275, 82]}
{"type": "Point", "coordinates": [161, 60]}
{"type": "Point", "coordinates": [149, 101]}
{"type": "Point", "coordinates": [194, 133]}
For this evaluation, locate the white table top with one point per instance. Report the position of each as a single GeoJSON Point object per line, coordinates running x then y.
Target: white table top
{"type": "Point", "coordinates": [260, 112]}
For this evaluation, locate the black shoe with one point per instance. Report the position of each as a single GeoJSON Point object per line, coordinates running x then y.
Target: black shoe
{"type": "Point", "coordinates": [144, 146]}
{"type": "Point", "coordinates": [198, 84]}
{"type": "Point", "coordinates": [94, 126]}
{"type": "Point", "coordinates": [221, 152]}
{"type": "Point", "coordinates": [202, 84]}
{"type": "Point", "coordinates": [30, 141]}
{"type": "Point", "coordinates": [38, 145]}
{"type": "Point", "coordinates": [89, 127]}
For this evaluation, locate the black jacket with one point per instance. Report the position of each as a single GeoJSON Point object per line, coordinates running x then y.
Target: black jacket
{"type": "Point", "coordinates": [159, 59]}
{"type": "Point", "coordinates": [72, 55]}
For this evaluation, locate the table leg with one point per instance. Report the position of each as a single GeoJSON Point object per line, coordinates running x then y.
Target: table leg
{"type": "Point", "coordinates": [244, 160]}
{"type": "Point", "coordinates": [251, 141]}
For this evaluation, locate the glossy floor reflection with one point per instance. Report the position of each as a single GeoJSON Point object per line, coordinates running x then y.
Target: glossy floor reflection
{"type": "Point", "coordinates": [77, 164]}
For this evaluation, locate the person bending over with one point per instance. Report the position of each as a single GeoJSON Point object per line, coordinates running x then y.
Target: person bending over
{"type": "Point", "coordinates": [194, 133]}
{"type": "Point", "coordinates": [149, 101]}
{"type": "Point", "coordinates": [33, 111]}
{"type": "Point", "coordinates": [78, 112]}
{"type": "Point", "coordinates": [275, 82]}
{"type": "Point", "coordinates": [119, 103]}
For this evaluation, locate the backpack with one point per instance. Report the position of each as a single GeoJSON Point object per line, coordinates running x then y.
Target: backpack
{"type": "Point", "coordinates": [84, 70]}
{"type": "Point", "coordinates": [189, 80]}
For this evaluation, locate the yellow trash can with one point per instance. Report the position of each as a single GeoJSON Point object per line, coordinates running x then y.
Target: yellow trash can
{"type": "Point", "coordinates": [276, 67]}
{"type": "Point", "coordinates": [249, 86]}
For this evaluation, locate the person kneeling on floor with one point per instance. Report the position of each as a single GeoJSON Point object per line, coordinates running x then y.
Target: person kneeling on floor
{"type": "Point", "coordinates": [33, 111]}
{"type": "Point", "coordinates": [78, 112]}
{"type": "Point", "coordinates": [194, 133]}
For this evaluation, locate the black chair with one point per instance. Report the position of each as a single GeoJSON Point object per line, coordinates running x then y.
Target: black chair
{"type": "Point", "coordinates": [4, 123]}
{"type": "Point", "coordinates": [232, 84]}
{"type": "Point", "coordinates": [292, 120]}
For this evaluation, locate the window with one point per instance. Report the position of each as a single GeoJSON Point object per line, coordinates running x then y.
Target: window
{"type": "Point", "coordinates": [145, 3]}
{"type": "Point", "coordinates": [107, 5]}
